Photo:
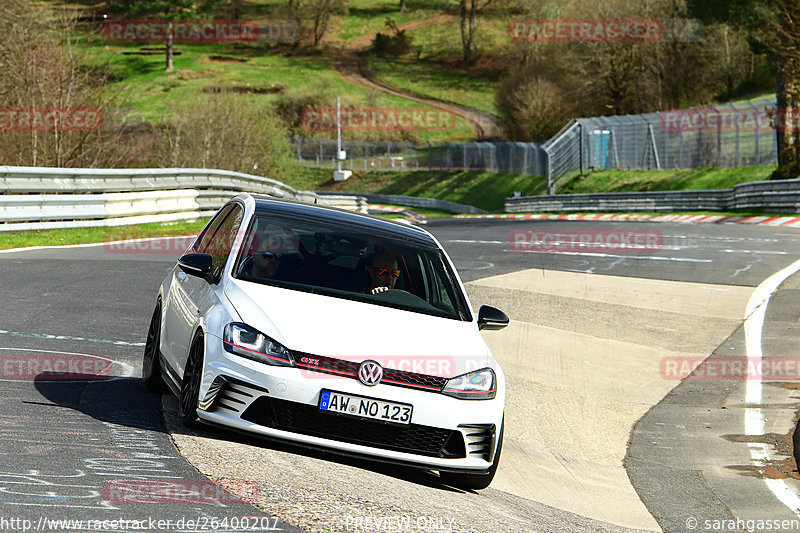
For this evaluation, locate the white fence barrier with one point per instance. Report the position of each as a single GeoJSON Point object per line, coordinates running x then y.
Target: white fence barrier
{"type": "Point", "coordinates": [44, 198]}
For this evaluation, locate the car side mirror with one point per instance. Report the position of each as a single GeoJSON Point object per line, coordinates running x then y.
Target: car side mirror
{"type": "Point", "coordinates": [491, 318]}
{"type": "Point", "coordinates": [196, 264]}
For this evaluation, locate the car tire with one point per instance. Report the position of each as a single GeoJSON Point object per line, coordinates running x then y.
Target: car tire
{"type": "Point", "coordinates": [151, 362]}
{"type": "Point", "coordinates": [190, 387]}
{"type": "Point", "coordinates": [475, 481]}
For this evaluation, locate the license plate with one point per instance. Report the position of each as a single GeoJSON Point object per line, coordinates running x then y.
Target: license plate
{"type": "Point", "coordinates": [363, 407]}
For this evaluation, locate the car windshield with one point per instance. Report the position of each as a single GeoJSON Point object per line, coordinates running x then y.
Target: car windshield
{"type": "Point", "coordinates": [348, 263]}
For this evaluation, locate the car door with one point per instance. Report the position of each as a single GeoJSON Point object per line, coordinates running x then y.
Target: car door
{"type": "Point", "coordinates": [181, 317]}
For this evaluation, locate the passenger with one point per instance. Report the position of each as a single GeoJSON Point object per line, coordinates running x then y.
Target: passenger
{"type": "Point", "coordinates": [383, 272]}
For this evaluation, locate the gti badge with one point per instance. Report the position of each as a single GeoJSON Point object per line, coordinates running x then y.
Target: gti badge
{"type": "Point", "coordinates": [370, 373]}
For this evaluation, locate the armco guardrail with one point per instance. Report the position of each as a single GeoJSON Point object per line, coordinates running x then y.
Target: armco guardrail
{"type": "Point", "coordinates": [779, 196]}
{"type": "Point", "coordinates": [411, 201]}
{"type": "Point", "coordinates": [41, 198]}
{"type": "Point", "coordinates": [74, 180]}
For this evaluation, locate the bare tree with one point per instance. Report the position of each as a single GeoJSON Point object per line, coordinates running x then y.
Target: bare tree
{"type": "Point", "coordinates": [56, 106]}
{"type": "Point", "coordinates": [314, 16]}
{"type": "Point", "coordinates": [469, 10]}
{"type": "Point", "coordinates": [786, 48]}
{"type": "Point", "coordinates": [225, 131]}
{"type": "Point", "coordinates": [168, 9]}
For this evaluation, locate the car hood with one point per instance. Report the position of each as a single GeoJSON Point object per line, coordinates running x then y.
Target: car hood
{"type": "Point", "coordinates": [333, 327]}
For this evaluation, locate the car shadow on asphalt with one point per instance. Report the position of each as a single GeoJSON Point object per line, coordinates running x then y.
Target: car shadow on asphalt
{"type": "Point", "coordinates": [125, 401]}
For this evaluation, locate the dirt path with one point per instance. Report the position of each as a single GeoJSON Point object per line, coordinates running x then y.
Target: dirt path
{"type": "Point", "coordinates": [347, 62]}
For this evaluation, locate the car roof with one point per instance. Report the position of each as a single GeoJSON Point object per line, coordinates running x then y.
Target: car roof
{"type": "Point", "coordinates": [265, 205]}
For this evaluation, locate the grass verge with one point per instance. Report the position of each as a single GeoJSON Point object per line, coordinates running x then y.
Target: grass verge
{"type": "Point", "coordinates": [665, 180]}
{"type": "Point", "coordinates": [486, 190]}
{"type": "Point", "coordinates": [56, 237]}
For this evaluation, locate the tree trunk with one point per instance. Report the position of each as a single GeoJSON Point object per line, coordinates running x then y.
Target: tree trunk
{"type": "Point", "coordinates": [402, 6]}
{"type": "Point", "coordinates": [467, 29]}
{"type": "Point", "coordinates": [236, 9]}
{"type": "Point", "coordinates": [787, 93]}
{"type": "Point", "coordinates": [169, 47]}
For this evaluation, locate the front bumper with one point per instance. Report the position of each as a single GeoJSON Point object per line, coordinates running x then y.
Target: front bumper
{"type": "Point", "coordinates": [282, 403]}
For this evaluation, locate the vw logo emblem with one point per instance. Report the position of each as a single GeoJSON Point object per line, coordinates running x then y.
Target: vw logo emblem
{"type": "Point", "coordinates": [370, 373]}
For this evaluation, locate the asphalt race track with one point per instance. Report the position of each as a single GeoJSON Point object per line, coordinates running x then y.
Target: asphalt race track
{"type": "Point", "coordinates": [604, 433]}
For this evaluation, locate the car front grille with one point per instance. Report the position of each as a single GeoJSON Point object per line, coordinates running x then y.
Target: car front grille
{"type": "Point", "coordinates": [342, 367]}
{"type": "Point", "coordinates": [309, 420]}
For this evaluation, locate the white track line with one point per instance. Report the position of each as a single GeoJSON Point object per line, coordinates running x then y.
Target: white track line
{"type": "Point", "coordinates": [127, 370]}
{"type": "Point", "coordinates": [92, 244]}
{"type": "Point", "coordinates": [753, 417]}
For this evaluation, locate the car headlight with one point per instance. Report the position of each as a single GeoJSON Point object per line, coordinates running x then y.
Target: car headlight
{"type": "Point", "coordinates": [247, 342]}
{"type": "Point", "coordinates": [478, 385]}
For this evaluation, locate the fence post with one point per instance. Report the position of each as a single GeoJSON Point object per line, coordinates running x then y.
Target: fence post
{"type": "Point", "coordinates": [580, 147]}
{"type": "Point", "coordinates": [525, 159]}
{"type": "Point", "coordinates": [719, 136]}
{"type": "Point", "coordinates": [652, 135]}
{"type": "Point", "coordinates": [613, 142]}
{"type": "Point", "coordinates": [299, 152]}
{"type": "Point", "coordinates": [430, 156]}
{"type": "Point", "coordinates": [449, 161]}
{"type": "Point", "coordinates": [700, 153]}
{"type": "Point", "coordinates": [758, 134]}
{"type": "Point", "coordinates": [366, 155]}
{"type": "Point", "coordinates": [549, 172]}
{"type": "Point", "coordinates": [738, 137]}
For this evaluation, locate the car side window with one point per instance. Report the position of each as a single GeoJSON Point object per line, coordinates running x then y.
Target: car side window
{"type": "Point", "coordinates": [219, 238]}
{"type": "Point", "coordinates": [201, 244]}
{"type": "Point", "coordinates": [222, 242]}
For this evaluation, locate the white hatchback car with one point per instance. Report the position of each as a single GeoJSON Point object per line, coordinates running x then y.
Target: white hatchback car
{"type": "Point", "coordinates": [331, 329]}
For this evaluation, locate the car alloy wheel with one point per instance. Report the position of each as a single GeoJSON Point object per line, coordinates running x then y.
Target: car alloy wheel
{"type": "Point", "coordinates": [151, 364]}
{"type": "Point", "coordinates": [190, 388]}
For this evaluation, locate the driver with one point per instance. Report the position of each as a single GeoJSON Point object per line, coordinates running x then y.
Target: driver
{"type": "Point", "coordinates": [383, 272]}
{"type": "Point", "coordinates": [264, 261]}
